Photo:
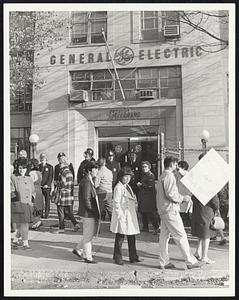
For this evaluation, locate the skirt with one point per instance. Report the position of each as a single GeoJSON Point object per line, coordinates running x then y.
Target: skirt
{"type": "Point", "coordinates": [21, 212]}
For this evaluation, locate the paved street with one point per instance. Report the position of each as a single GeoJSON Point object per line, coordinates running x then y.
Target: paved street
{"type": "Point", "coordinates": [52, 255]}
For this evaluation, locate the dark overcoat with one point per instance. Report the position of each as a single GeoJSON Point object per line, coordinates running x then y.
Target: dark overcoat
{"type": "Point", "coordinates": [147, 193]}
{"type": "Point", "coordinates": [88, 202]}
{"type": "Point", "coordinates": [202, 216]}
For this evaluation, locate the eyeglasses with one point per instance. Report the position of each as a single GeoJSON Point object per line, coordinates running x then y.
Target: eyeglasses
{"type": "Point", "coordinates": [144, 166]}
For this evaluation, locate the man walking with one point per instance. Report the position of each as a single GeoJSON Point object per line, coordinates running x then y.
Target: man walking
{"type": "Point", "coordinates": [168, 200]}
{"type": "Point", "coordinates": [47, 177]}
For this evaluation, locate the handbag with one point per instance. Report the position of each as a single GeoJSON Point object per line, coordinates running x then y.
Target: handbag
{"type": "Point", "coordinates": [217, 223]}
{"type": "Point", "coordinates": [55, 197]}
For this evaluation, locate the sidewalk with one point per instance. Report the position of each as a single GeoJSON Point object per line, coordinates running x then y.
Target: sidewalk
{"type": "Point", "coordinates": [51, 256]}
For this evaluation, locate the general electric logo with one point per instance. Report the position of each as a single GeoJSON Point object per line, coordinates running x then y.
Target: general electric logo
{"type": "Point", "coordinates": [124, 56]}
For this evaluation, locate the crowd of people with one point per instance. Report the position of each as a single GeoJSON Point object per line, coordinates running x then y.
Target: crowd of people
{"type": "Point", "coordinates": [119, 191]}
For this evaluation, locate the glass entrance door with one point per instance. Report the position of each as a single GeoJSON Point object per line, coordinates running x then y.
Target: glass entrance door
{"type": "Point", "coordinates": [123, 140]}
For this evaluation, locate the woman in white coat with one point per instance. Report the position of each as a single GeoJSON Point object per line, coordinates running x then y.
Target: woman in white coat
{"type": "Point", "coordinates": [124, 218]}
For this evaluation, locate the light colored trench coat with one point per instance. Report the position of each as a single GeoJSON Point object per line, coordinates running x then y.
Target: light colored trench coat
{"type": "Point", "coordinates": [124, 218]}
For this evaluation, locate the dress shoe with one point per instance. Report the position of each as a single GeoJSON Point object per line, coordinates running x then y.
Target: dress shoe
{"type": "Point", "coordinates": [89, 261]}
{"type": "Point", "coordinates": [195, 265]}
{"type": "Point", "coordinates": [135, 260]}
{"type": "Point", "coordinates": [27, 248]}
{"type": "Point", "coordinates": [76, 227]}
{"type": "Point", "coordinates": [168, 266]}
{"type": "Point", "coordinates": [77, 253]}
{"type": "Point", "coordinates": [119, 262]}
{"type": "Point", "coordinates": [59, 231]}
{"type": "Point", "coordinates": [208, 261]}
{"type": "Point", "coordinates": [222, 242]}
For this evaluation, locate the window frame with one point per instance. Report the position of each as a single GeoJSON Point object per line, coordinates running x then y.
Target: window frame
{"type": "Point", "coordinates": [134, 75]}
{"type": "Point", "coordinates": [89, 21]}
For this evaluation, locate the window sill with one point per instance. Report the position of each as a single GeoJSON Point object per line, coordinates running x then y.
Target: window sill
{"type": "Point", "coordinates": [87, 45]}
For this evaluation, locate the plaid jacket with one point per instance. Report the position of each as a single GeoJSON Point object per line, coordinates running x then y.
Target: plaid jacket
{"type": "Point", "coordinates": [66, 185]}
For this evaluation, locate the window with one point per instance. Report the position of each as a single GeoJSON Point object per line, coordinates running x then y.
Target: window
{"type": "Point", "coordinates": [87, 27]}
{"type": "Point", "coordinates": [102, 85]}
{"type": "Point", "coordinates": [153, 22]}
{"type": "Point", "coordinates": [22, 100]}
{"type": "Point", "coordinates": [165, 80]}
{"type": "Point", "coordinates": [99, 84]}
{"type": "Point", "coordinates": [20, 138]}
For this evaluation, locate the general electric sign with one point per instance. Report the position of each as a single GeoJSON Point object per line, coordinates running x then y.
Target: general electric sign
{"type": "Point", "coordinates": [125, 55]}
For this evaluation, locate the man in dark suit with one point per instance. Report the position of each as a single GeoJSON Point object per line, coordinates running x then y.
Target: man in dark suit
{"type": "Point", "coordinates": [47, 177]}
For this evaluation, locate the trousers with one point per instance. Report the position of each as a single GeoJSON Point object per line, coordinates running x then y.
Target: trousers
{"type": "Point", "coordinates": [106, 203]}
{"type": "Point", "coordinates": [46, 194]}
{"type": "Point", "coordinates": [146, 216]}
{"type": "Point", "coordinates": [119, 239]}
{"type": "Point", "coordinates": [62, 210]}
{"type": "Point", "coordinates": [171, 223]}
{"type": "Point", "coordinates": [85, 245]}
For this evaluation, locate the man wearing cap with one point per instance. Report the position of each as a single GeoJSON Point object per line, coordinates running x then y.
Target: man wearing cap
{"type": "Point", "coordinates": [47, 177]}
{"type": "Point", "coordinates": [88, 154]}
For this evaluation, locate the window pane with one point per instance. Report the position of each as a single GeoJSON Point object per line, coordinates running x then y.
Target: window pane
{"type": "Point", "coordinates": [174, 82]}
{"type": "Point", "coordinates": [149, 24]}
{"type": "Point", "coordinates": [163, 82]}
{"type": "Point", "coordinates": [146, 73]}
{"type": "Point", "coordinates": [102, 95]}
{"type": "Point", "coordinates": [104, 74]}
{"type": "Point", "coordinates": [79, 17]}
{"type": "Point", "coordinates": [150, 14]}
{"type": "Point", "coordinates": [126, 84]}
{"type": "Point", "coordinates": [147, 83]}
{"type": "Point", "coordinates": [81, 86]}
{"type": "Point", "coordinates": [99, 85]}
{"type": "Point", "coordinates": [14, 133]}
{"type": "Point", "coordinates": [79, 29]}
{"type": "Point", "coordinates": [80, 76]}
{"type": "Point", "coordinates": [98, 15]}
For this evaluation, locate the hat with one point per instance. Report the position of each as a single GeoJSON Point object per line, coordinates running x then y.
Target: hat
{"type": "Point", "coordinates": [125, 171]}
{"type": "Point", "coordinates": [60, 154]}
{"type": "Point", "coordinates": [89, 151]}
{"type": "Point", "coordinates": [43, 155]}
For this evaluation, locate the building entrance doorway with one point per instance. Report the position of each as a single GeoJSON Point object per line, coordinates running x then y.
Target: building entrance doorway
{"type": "Point", "coordinates": [142, 140]}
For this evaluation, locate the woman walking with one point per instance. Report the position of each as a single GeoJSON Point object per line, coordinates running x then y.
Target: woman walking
{"type": "Point", "coordinates": [36, 176]}
{"type": "Point", "coordinates": [89, 211]}
{"type": "Point", "coordinates": [22, 199]}
{"type": "Point", "coordinates": [202, 216]}
{"type": "Point", "coordinates": [147, 198]}
{"type": "Point", "coordinates": [124, 218]}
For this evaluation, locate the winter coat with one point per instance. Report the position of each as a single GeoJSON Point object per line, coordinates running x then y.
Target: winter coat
{"type": "Point", "coordinates": [202, 216]}
{"type": "Point", "coordinates": [81, 170]}
{"type": "Point", "coordinates": [66, 185]}
{"type": "Point", "coordinates": [124, 218]}
{"type": "Point", "coordinates": [23, 194]}
{"type": "Point", "coordinates": [37, 178]}
{"type": "Point", "coordinates": [147, 193]}
{"type": "Point", "coordinates": [88, 201]}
